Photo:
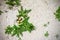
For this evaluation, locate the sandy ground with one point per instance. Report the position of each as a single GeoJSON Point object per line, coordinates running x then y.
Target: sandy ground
{"type": "Point", "coordinates": [42, 12]}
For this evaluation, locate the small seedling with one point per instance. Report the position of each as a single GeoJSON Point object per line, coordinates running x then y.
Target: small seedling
{"type": "Point", "coordinates": [46, 34]}
{"type": "Point", "coordinates": [22, 25]}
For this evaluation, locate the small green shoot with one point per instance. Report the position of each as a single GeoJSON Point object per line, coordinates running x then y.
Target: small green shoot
{"type": "Point", "coordinates": [46, 34]}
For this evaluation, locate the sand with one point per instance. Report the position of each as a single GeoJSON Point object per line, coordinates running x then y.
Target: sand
{"type": "Point", "coordinates": [42, 12]}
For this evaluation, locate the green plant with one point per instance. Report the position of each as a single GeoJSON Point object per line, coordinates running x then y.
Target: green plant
{"type": "Point", "coordinates": [23, 25]}
{"type": "Point", "coordinates": [57, 13]}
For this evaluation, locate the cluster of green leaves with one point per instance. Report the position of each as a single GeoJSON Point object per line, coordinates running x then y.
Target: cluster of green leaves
{"type": "Point", "coordinates": [18, 30]}
{"type": "Point", "coordinates": [23, 13]}
{"type": "Point", "coordinates": [21, 27]}
{"type": "Point", "coordinates": [57, 13]}
{"type": "Point", "coordinates": [13, 2]}
{"type": "Point", "coordinates": [1, 12]}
